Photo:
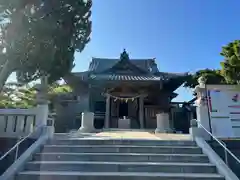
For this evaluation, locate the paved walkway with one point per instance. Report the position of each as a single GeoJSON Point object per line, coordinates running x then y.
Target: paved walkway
{"type": "Point", "coordinates": [143, 135]}
{"type": "Point", "coordinates": [125, 134]}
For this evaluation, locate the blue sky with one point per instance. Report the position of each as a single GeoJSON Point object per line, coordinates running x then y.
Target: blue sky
{"type": "Point", "coordinates": [183, 35]}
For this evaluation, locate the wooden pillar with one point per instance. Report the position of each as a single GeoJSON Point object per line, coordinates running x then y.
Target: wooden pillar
{"type": "Point", "coordinates": [141, 113]}
{"type": "Point", "coordinates": [107, 114]}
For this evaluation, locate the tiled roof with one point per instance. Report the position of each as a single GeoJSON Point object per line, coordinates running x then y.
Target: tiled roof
{"type": "Point", "coordinates": [169, 75]}
{"type": "Point", "coordinates": [116, 77]}
{"type": "Point", "coordinates": [101, 64]}
{"type": "Point", "coordinates": [164, 76]}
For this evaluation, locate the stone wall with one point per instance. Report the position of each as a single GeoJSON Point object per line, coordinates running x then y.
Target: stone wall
{"type": "Point", "coordinates": [68, 112]}
{"type": "Point", "coordinates": [64, 120]}
{"type": "Point", "coordinates": [150, 123]}
{"type": "Point", "coordinates": [180, 120]}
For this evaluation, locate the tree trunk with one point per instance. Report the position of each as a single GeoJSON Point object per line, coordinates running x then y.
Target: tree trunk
{"type": "Point", "coordinates": [5, 72]}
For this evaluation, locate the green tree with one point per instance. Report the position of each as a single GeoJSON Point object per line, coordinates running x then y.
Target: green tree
{"type": "Point", "coordinates": [231, 64]}
{"type": "Point", "coordinates": [59, 89]}
{"type": "Point", "coordinates": [55, 90]}
{"type": "Point", "coordinates": [15, 95]}
{"type": "Point", "coordinates": [40, 37]}
{"type": "Point", "coordinates": [212, 77]}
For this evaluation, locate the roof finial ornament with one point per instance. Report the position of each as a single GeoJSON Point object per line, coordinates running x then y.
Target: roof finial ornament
{"type": "Point", "coordinates": [124, 55]}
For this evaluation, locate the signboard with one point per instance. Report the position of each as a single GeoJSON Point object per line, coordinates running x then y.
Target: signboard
{"type": "Point", "coordinates": [224, 110]}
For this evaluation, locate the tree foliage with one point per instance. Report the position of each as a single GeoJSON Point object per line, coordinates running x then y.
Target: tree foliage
{"type": "Point", "coordinates": [15, 95]}
{"type": "Point", "coordinates": [231, 64]}
{"type": "Point", "coordinates": [40, 37]}
{"type": "Point", "coordinates": [212, 77]}
{"type": "Point", "coordinates": [229, 73]}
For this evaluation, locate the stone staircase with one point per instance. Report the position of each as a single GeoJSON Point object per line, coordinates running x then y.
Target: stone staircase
{"type": "Point", "coordinates": [119, 159]}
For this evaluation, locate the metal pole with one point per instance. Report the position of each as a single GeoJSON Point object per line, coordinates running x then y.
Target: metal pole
{"type": "Point", "coordinates": [209, 116]}
{"type": "Point", "coordinates": [16, 153]}
{"type": "Point", "coordinates": [17, 149]}
{"type": "Point", "coordinates": [225, 153]}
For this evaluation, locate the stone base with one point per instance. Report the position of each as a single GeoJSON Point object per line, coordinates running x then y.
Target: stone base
{"type": "Point", "coordinates": [124, 123]}
{"type": "Point", "coordinates": [163, 123]}
{"type": "Point", "coordinates": [87, 123]}
{"type": "Point", "coordinates": [86, 130]}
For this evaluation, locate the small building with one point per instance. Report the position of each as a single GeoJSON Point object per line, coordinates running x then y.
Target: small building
{"type": "Point", "coordinates": [127, 88]}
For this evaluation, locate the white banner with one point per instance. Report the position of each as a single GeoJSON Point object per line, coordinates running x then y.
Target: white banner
{"type": "Point", "coordinates": [224, 110]}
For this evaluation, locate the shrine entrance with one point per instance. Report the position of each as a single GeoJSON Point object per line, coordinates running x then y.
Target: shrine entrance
{"type": "Point", "coordinates": [123, 109]}
{"type": "Point", "coordinates": [125, 101]}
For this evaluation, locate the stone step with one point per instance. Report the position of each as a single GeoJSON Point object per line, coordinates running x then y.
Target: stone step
{"type": "Point", "coordinates": [121, 149]}
{"type": "Point", "coordinates": [50, 175]}
{"type": "Point", "coordinates": [122, 142]}
{"type": "Point", "coordinates": [121, 157]}
{"type": "Point", "coordinates": [86, 166]}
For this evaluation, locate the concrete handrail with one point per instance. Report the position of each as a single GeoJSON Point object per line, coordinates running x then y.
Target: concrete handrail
{"type": "Point", "coordinates": [16, 146]}
{"type": "Point", "coordinates": [18, 165]}
{"type": "Point", "coordinates": [222, 144]}
{"type": "Point", "coordinates": [222, 168]}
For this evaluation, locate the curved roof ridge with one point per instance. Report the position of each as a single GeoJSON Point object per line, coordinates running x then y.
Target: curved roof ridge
{"type": "Point", "coordinates": [131, 59]}
{"type": "Point", "coordinates": [102, 64]}
{"type": "Point", "coordinates": [173, 73]}
{"type": "Point", "coordinates": [130, 64]}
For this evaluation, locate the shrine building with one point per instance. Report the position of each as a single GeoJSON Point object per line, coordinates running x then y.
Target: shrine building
{"type": "Point", "coordinates": [124, 88]}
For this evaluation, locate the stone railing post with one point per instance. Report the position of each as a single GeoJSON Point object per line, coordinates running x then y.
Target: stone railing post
{"type": "Point", "coordinates": [202, 107]}
{"type": "Point", "coordinates": [50, 125]}
{"type": "Point", "coordinates": [42, 103]}
{"type": "Point", "coordinates": [194, 130]}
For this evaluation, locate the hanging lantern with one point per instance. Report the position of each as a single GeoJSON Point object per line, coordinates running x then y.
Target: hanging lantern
{"type": "Point", "coordinates": [126, 100]}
